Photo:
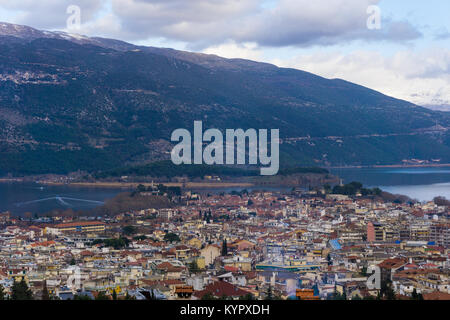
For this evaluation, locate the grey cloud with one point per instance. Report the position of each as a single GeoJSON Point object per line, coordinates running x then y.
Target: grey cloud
{"type": "Point", "coordinates": [204, 23]}
{"type": "Point", "coordinates": [50, 14]}
{"type": "Point", "coordinates": [442, 34]}
{"type": "Point", "coordinates": [288, 23]}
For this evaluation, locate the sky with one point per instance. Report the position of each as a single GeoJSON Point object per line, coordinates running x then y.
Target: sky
{"type": "Point", "coordinates": [406, 56]}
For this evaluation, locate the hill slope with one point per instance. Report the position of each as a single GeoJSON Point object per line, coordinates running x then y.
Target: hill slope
{"type": "Point", "coordinates": [69, 102]}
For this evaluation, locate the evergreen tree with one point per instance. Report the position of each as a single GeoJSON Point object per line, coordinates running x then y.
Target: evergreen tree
{"type": "Point", "coordinates": [364, 271]}
{"type": "Point", "coordinates": [82, 297]}
{"type": "Point", "coordinates": [101, 296]}
{"type": "Point", "coordinates": [45, 295]}
{"type": "Point", "coordinates": [386, 290]}
{"type": "Point", "coordinates": [414, 294]}
{"type": "Point", "coordinates": [224, 248]}
{"type": "Point", "coordinates": [193, 267]}
{"type": "Point", "coordinates": [2, 293]}
{"type": "Point", "coordinates": [114, 294]}
{"type": "Point", "coordinates": [247, 297]}
{"type": "Point", "coordinates": [208, 296]}
{"type": "Point", "coordinates": [20, 291]}
{"type": "Point", "coordinates": [269, 295]}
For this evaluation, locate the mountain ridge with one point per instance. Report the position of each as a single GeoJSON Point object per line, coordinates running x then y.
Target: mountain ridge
{"type": "Point", "coordinates": [70, 102]}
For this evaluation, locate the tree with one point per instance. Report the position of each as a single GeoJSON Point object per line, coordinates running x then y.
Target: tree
{"type": "Point", "coordinates": [129, 230]}
{"type": "Point", "coordinates": [248, 296]}
{"type": "Point", "coordinates": [269, 295]}
{"type": "Point", "coordinates": [224, 248]}
{"type": "Point", "coordinates": [193, 267]}
{"type": "Point", "coordinates": [114, 294]}
{"type": "Point", "coordinates": [2, 293]}
{"type": "Point", "coordinates": [441, 201]}
{"type": "Point", "coordinates": [20, 291]}
{"type": "Point", "coordinates": [171, 237]}
{"type": "Point", "coordinates": [82, 297]}
{"type": "Point", "coordinates": [415, 295]}
{"type": "Point", "coordinates": [364, 271]}
{"type": "Point", "coordinates": [101, 296]}
{"type": "Point", "coordinates": [386, 290]}
{"type": "Point", "coordinates": [45, 295]}
{"type": "Point", "coordinates": [330, 262]}
{"type": "Point", "coordinates": [141, 188]}
{"type": "Point", "coordinates": [208, 296]}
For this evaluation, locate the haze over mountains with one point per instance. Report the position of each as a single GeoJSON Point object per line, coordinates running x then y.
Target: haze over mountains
{"type": "Point", "coordinates": [70, 102]}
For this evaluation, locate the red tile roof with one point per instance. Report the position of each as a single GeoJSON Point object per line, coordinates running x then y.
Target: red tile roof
{"type": "Point", "coordinates": [436, 295]}
{"type": "Point", "coordinates": [220, 289]}
{"type": "Point", "coordinates": [392, 263]}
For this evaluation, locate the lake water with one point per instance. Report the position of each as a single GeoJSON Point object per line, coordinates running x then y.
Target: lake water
{"type": "Point", "coordinates": [418, 183]}
{"type": "Point", "coordinates": [422, 184]}
{"type": "Point", "coordinates": [19, 198]}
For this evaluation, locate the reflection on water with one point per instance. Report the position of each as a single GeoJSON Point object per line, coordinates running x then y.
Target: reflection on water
{"type": "Point", "coordinates": [422, 193]}
{"type": "Point", "coordinates": [420, 171]}
{"type": "Point", "coordinates": [19, 198]}
{"type": "Point", "coordinates": [419, 183]}
{"type": "Point", "coordinates": [62, 201]}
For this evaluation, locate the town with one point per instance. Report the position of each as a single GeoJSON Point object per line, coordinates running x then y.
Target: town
{"type": "Point", "coordinates": [259, 245]}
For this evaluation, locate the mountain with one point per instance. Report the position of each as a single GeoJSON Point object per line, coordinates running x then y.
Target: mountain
{"type": "Point", "coordinates": [441, 107]}
{"type": "Point", "coordinates": [71, 102]}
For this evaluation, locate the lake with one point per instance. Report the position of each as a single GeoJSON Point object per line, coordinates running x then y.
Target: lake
{"type": "Point", "coordinates": [19, 198]}
{"type": "Point", "coordinates": [422, 184]}
{"type": "Point", "coordinates": [418, 183]}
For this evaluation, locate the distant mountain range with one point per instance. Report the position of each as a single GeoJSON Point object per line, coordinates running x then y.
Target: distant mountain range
{"type": "Point", "coordinates": [70, 102]}
{"type": "Point", "coordinates": [445, 108]}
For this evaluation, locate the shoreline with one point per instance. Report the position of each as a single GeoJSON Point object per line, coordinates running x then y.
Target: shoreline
{"type": "Point", "coordinates": [436, 165]}
{"type": "Point", "coordinates": [130, 185]}
{"type": "Point", "coordinates": [198, 185]}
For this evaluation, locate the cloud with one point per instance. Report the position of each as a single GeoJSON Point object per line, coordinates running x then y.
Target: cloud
{"type": "Point", "coordinates": [421, 77]}
{"type": "Point", "coordinates": [206, 23]}
{"type": "Point", "coordinates": [285, 23]}
{"type": "Point", "coordinates": [232, 49]}
{"type": "Point", "coordinates": [304, 23]}
{"type": "Point", "coordinates": [442, 34]}
{"type": "Point", "coordinates": [50, 14]}
{"type": "Point", "coordinates": [200, 22]}
{"type": "Point", "coordinates": [252, 28]}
